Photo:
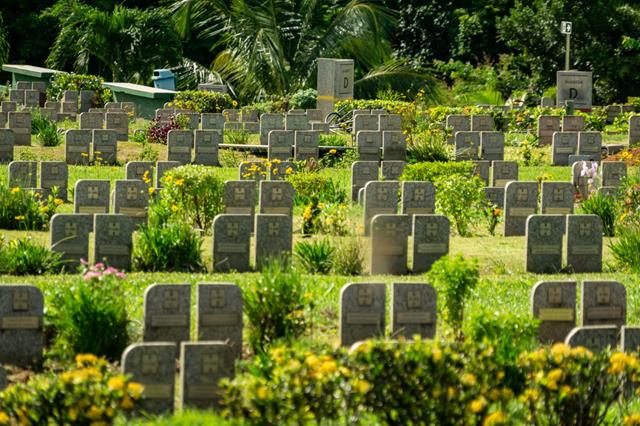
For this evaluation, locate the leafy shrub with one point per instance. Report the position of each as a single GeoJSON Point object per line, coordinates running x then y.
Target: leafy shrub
{"type": "Point", "coordinates": [193, 194]}
{"type": "Point", "coordinates": [170, 247]}
{"type": "Point", "coordinates": [71, 81]}
{"type": "Point", "coordinates": [303, 99]}
{"type": "Point", "coordinates": [461, 199]}
{"type": "Point", "coordinates": [430, 145]}
{"type": "Point", "coordinates": [311, 217]}
{"type": "Point", "coordinates": [90, 393]}
{"type": "Point", "coordinates": [406, 109]}
{"type": "Point", "coordinates": [339, 159]}
{"type": "Point", "coordinates": [158, 131]}
{"type": "Point", "coordinates": [333, 219]}
{"type": "Point", "coordinates": [24, 210]}
{"type": "Point", "coordinates": [333, 139]}
{"type": "Point", "coordinates": [529, 152]}
{"type": "Point", "coordinates": [45, 130]}
{"type": "Point", "coordinates": [626, 250]}
{"type": "Point", "coordinates": [90, 315]}
{"type": "Point", "coordinates": [236, 137]}
{"type": "Point", "coordinates": [603, 206]}
{"type": "Point", "coordinates": [431, 172]}
{"type": "Point", "coordinates": [275, 306]}
{"type": "Point", "coordinates": [24, 257]}
{"type": "Point", "coordinates": [455, 278]}
{"type": "Point", "coordinates": [630, 191]}
{"type": "Point", "coordinates": [201, 101]}
{"type": "Point", "coordinates": [349, 258]}
{"type": "Point", "coordinates": [309, 184]}
{"type": "Point", "coordinates": [316, 257]}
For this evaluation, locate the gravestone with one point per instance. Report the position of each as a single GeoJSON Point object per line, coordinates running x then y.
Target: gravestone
{"type": "Point", "coordinates": [239, 197]}
{"type": "Point", "coordinates": [296, 122]}
{"type": "Point", "coordinates": [17, 96]}
{"type": "Point", "coordinates": [91, 196]}
{"type": "Point", "coordinates": [142, 170]}
{"type": "Point", "coordinates": [554, 304]}
{"type": "Point", "coordinates": [7, 106]}
{"type": "Point", "coordinates": [634, 130]}
{"type": "Point", "coordinates": [54, 174]}
{"type": "Point", "coordinates": [629, 339]}
{"type": "Point", "coordinates": [590, 144]}
{"type": "Point", "coordinates": [212, 121]}
{"type": "Point", "coordinates": [231, 242]}
{"type": "Point", "coordinates": [613, 111]}
{"type": "Point", "coordinates": [219, 314]}
{"type": "Point", "coordinates": [467, 145]}
{"type": "Point", "coordinates": [595, 338]}
{"type": "Point", "coordinates": [192, 119]}
{"type": "Point", "coordinates": [389, 234]}
{"type": "Point", "coordinates": [520, 201]}
{"type": "Point", "coordinates": [49, 113]}
{"type": "Point", "coordinates": [547, 126]}
{"type": "Point", "coordinates": [575, 86]}
{"type": "Point", "coordinates": [118, 121]}
{"type": "Point", "coordinates": [504, 172]}
{"type": "Point", "coordinates": [369, 144]}
{"type": "Point", "coordinates": [392, 170]}
{"type": "Point", "coordinates": [307, 144]}
{"type": "Point", "coordinates": [202, 366]}
{"type": "Point", "coordinates": [603, 303]}
{"type": "Point", "coordinates": [91, 120]}
{"type": "Point", "coordinates": [430, 240]}
{"type": "Point", "coordinates": [584, 243]}
{"type": "Point", "coordinates": [580, 182]}
{"type": "Point", "coordinates": [113, 237]}
{"type": "Point", "coordinates": [206, 147]}
{"type": "Point", "coordinates": [68, 110]}
{"type": "Point", "coordinates": [315, 115]}
{"type": "Point", "coordinates": [457, 123]}
{"type": "Point", "coordinates": [77, 150]}
{"type": "Point", "coordinates": [557, 198]}
{"type": "Point", "coordinates": [544, 243]}
{"type": "Point", "coordinates": [572, 123]}
{"type": "Point", "coordinates": [105, 146]}
{"type": "Point", "coordinates": [163, 167]}
{"type": "Point", "coordinates": [70, 95]}
{"type": "Point", "coordinates": [167, 313]}
{"type": "Point", "coordinates": [269, 122]}
{"type": "Point", "coordinates": [281, 144]}
{"type": "Point", "coordinates": [362, 312]}
{"type": "Point", "coordinates": [31, 98]}
{"type": "Point", "coordinates": [231, 114]}
{"type": "Point", "coordinates": [131, 198]}
{"type": "Point", "coordinates": [574, 158]}
{"type": "Point", "coordinates": [418, 197]}
{"type": "Point", "coordinates": [179, 146]}
{"type": "Point", "coordinates": [335, 80]}
{"type": "Point", "coordinates": [492, 146]}
{"type": "Point", "coordinates": [613, 173]}
{"type": "Point", "coordinates": [482, 123]}
{"type": "Point", "coordinates": [394, 146]}
{"type": "Point", "coordinates": [380, 197]}
{"type": "Point", "coordinates": [413, 310]}
{"type": "Point", "coordinates": [20, 123]}
{"type": "Point", "coordinates": [70, 237]}
{"type": "Point", "coordinates": [273, 236]}
{"type": "Point", "coordinates": [4, 118]}
{"type": "Point", "coordinates": [389, 122]}
{"type": "Point", "coordinates": [495, 196]}
{"type": "Point", "coordinates": [276, 197]}
{"type": "Point", "coordinates": [87, 98]}
{"type": "Point", "coordinates": [254, 170]}
{"type": "Point", "coordinates": [21, 324]}
{"type": "Point", "coordinates": [365, 122]}
{"type": "Point", "coordinates": [481, 168]}
{"type": "Point", "coordinates": [7, 142]}
{"type": "Point", "coordinates": [23, 174]}
{"type": "Point", "coordinates": [361, 173]}
{"type": "Point", "coordinates": [564, 145]}
{"type": "Point", "coordinates": [153, 365]}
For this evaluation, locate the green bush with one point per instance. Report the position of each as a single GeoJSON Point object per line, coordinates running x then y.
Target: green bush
{"type": "Point", "coordinates": [24, 257]}
{"type": "Point", "coordinates": [316, 257]}
{"type": "Point", "coordinates": [25, 210]}
{"type": "Point", "coordinates": [90, 315]}
{"type": "Point", "coordinates": [429, 146]}
{"type": "Point", "coordinates": [309, 184]}
{"type": "Point", "coordinates": [303, 99]}
{"type": "Point", "coordinates": [605, 207]}
{"type": "Point", "coordinates": [348, 259]}
{"type": "Point", "coordinates": [201, 101]}
{"type": "Point", "coordinates": [432, 171]}
{"type": "Point", "coordinates": [92, 393]}
{"type": "Point", "coordinates": [71, 81]}
{"type": "Point", "coordinates": [194, 195]}
{"type": "Point", "coordinates": [168, 248]}
{"type": "Point", "coordinates": [275, 306]}
{"type": "Point", "coordinates": [461, 199]}
{"type": "Point", "coordinates": [45, 130]}
{"type": "Point", "coordinates": [626, 250]}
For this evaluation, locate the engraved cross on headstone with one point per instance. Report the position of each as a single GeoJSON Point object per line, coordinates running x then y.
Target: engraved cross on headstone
{"type": "Point", "coordinates": [70, 229]}
{"type": "Point", "coordinates": [554, 295]}
{"type": "Point", "coordinates": [419, 194]}
{"type": "Point", "coordinates": [113, 229]}
{"type": "Point", "coordinates": [274, 229]}
{"type": "Point", "coordinates": [150, 364]}
{"type": "Point", "coordinates": [603, 295]}
{"type": "Point", "coordinates": [93, 192]}
{"type": "Point", "coordinates": [522, 194]}
{"type": "Point", "coordinates": [132, 193]}
{"type": "Point", "coordinates": [239, 194]}
{"type": "Point", "coordinates": [585, 229]}
{"type": "Point", "coordinates": [276, 194]}
{"type": "Point", "coordinates": [210, 363]}
{"type": "Point", "coordinates": [20, 300]}
{"type": "Point", "coordinates": [545, 229]}
{"type": "Point", "coordinates": [414, 299]}
{"type": "Point", "coordinates": [365, 296]}
{"type": "Point", "coordinates": [171, 299]}
{"type": "Point", "coordinates": [217, 298]}
{"type": "Point", "coordinates": [233, 229]}
{"type": "Point", "coordinates": [558, 194]}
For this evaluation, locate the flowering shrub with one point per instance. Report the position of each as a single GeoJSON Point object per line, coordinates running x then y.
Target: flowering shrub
{"type": "Point", "coordinates": [333, 219]}
{"type": "Point", "coordinates": [310, 184]}
{"type": "Point", "coordinates": [591, 173]}
{"type": "Point", "coordinates": [202, 101]}
{"type": "Point", "coordinates": [493, 214]}
{"type": "Point", "coordinates": [158, 131]}
{"type": "Point", "coordinates": [605, 207]}
{"type": "Point", "coordinates": [311, 216]}
{"type": "Point", "coordinates": [89, 394]}
{"type": "Point", "coordinates": [26, 210]}
{"type": "Point", "coordinates": [630, 156]}
{"type": "Point", "coordinates": [461, 199]}
{"type": "Point", "coordinates": [24, 257]}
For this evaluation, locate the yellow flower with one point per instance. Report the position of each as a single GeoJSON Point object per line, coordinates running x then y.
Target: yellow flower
{"type": "Point", "coordinates": [126, 403]}
{"type": "Point", "coordinates": [632, 420]}
{"type": "Point", "coordinates": [135, 389]}
{"type": "Point", "coordinates": [72, 413]}
{"type": "Point", "coordinates": [234, 103]}
{"type": "Point", "coordinates": [83, 359]}
{"type": "Point", "coordinates": [477, 405]}
{"type": "Point", "coordinates": [179, 182]}
{"type": "Point", "coordinates": [115, 383]}
{"type": "Point", "coordinates": [167, 178]}
{"type": "Point", "coordinates": [289, 170]}
{"type": "Point", "coordinates": [495, 419]}
{"type": "Point", "coordinates": [19, 218]}
{"type": "Point", "coordinates": [468, 379]}
{"type": "Point", "coordinates": [328, 367]}
{"type": "Point", "coordinates": [15, 190]}
{"type": "Point", "coordinates": [559, 351]}
{"type": "Point", "coordinates": [174, 208]}
{"type": "Point", "coordinates": [4, 419]}
{"type": "Point", "coordinates": [437, 355]}
{"type": "Point", "coordinates": [152, 190]}
{"type": "Point", "coordinates": [333, 151]}
{"type": "Point", "coordinates": [555, 375]}
{"type": "Point", "coordinates": [262, 392]}
{"type": "Point", "coordinates": [84, 154]}
{"type": "Point", "coordinates": [362, 386]}
{"type": "Point", "coordinates": [94, 413]}
{"type": "Point", "coordinates": [58, 201]}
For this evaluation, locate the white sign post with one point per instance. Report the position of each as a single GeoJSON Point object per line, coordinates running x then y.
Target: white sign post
{"type": "Point", "coordinates": [565, 28]}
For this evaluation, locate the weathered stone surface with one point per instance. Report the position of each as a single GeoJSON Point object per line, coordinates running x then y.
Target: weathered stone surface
{"type": "Point", "coordinates": [369, 143]}
{"type": "Point", "coordinates": [492, 146]}
{"type": "Point", "coordinates": [554, 304]}
{"type": "Point", "coordinates": [557, 198]}
{"type": "Point", "coordinates": [21, 325]}
{"type": "Point", "coordinates": [78, 147]}
{"type": "Point", "coordinates": [603, 303]}
{"type": "Point", "coordinates": [239, 197]}
{"type": "Point", "coordinates": [520, 201]}
{"type": "Point", "coordinates": [231, 242]}
{"type": "Point", "coordinates": [70, 237]}
{"type": "Point", "coordinates": [276, 197]}
{"type": "Point", "coordinates": [564, 144]}
{"type": "Point", "coordinates": [361, 173]}
{"type": "Point", "coordinates": [113, 239]}
{"type": "Point", "coordinates": [219, 314]}
{"type": "Point", "coordinates": [362, 312]}
{"type": "Point", "coordinates": [91, 196]}
{"type": "Point", "coordinates": [131, 198]}
{"type": "Point", "coordinates": [544, 243]}
{"type": "Point", "coordinates": [273, 236]}
{"type": "Point", "coordinates": [430, 240]}
{"type": "Point", "coordinates": [503, 172]}
{"type": "Point", "coordinates": [584, 243]}
{"type": "Point", "coordinates": [594, 338]}
{"type": "Point", "coordinates": [179, 146]}
{"type": "Point", "coordinates": [380, 197]}
{"type": "Point", "coordinates": [23, 174]}
{"type": "Point", "coordinates": [467, 146]}
{"type": "Point", "coordinates": [547, 126]}
{"type": "Point", "coordinates": [167, 313]}
{"type": "Point", "coordinates": [105, 146]}
{"type": "Point", "coordinates": [389, 234]}
{"type": "Point", "coordinates": [413, 310]}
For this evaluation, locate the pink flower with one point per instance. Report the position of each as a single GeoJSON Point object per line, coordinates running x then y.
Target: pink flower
{"type": "Point", "coordinates": [91, 275]}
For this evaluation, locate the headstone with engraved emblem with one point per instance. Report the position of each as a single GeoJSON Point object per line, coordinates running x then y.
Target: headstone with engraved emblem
{"type": "Point", "coordinates": [595, 338]}
{"type": "Point", "coordinates": [70, 237]}
{"type": "Point", "coordinates": [584, 243]}
{"type": "Point", "coordinates": [544, 243]}
{"type": "Point", "coordinates": [131, 198]}
{"type": "Point", "coordinates": [273, 238]}
{"type": "Point", "coordinates": [219, 314]}
{"type": "Point", "coordinates": [231, 242]}
{"type": "Point", "coordinates": [413, 310]}
{"type": "Point", "coordinates": [520, 201]}
{"type": "Point", "coordinates": [77, 147]}
{"type": "Point", "coordinates": [430, 240]}
{"type": "Point", "coordinates": [361, 173]}
{"type": "Point", "coordinates": [603, 303]}
{"type": "Point", "coordinates": [362, 312]}
{"type": "Point", "coordinates": [113, 237]}
{"type": "Point", "coordinates": [167, 313]}
{"type": "Point", "coordinates": [554, 304]}
{"type": "Point", "coordinates": [91, 196]}
{"type": "Point", "coordinates": [21, 325]}
{"type": "Point", "coordinates": [389, 234]}
{"type": "Point", "coordinates": [380, 197]}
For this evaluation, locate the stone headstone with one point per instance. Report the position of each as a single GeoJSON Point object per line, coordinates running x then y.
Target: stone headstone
{"type": "Point", "coordinates": [554, 304]}
{"type": "Point", "coordinates": [206, 147]}
{"type": "Point", "coordinates": [273, 236]}
{"type": "Point", "coordinates": [613, 173]}
{"type": "Point", "coordinates": [105, 146]}
{"type": "Point", "coordinates": [212, 121]}
{"type": "Point", "coordinates": [20, 123]}
{"type": "Point", "coordinates": [557, 198]}
{"type": "Point", "coordinates": [4, 118]}
{"type": "Point", "coordinates": [231, 242]}
{"type": "Point", "coordinates": [634, 130]}
{"type": "Point", "coordinates": [239, 197]}
{"type": "Point", "coordinates": [281, 144]}
{"type": "Point", "coordinates": [202, 366]}
{"type": "Point", "coordinates": [269, 122]}
{"type": "Point", "coordinates": [335, 80]}
{"type": "Point", "coordinates": [572, 123]}
{"type": "Point", "coordinates": [392, 170]}
{"type": "Point", "coordinates": [520, 201]}
{"type": "Point", "coordinates": [7, 106]}
{"type": "Point", "coordinates": [87, 98]}
{"type": "Point", "coordinates": [276, 197]}
{"type": "Point", "coordinates": [77, 147]}
{"type": "Point", "coordinates": [544, 243]}
{"type": "Point", "coordinates": [467, 145]}
{"type": "Point", "coordinates": [547, 126]}
{"type": "Point", "coordinates": [17, 96]}
{"type": "Point", "coordinates": [495, 196]}
{"type": "Point", "coordinates": [413, 310]}
{"type": "Point", "coordinates": [481, 168]}
{"type": "Point", "coordinates": [192, 119]}
{"type": "Point", "coordinates": [70, 237]}
{"type": "Point", "coordinates": [21, 322]}
{"type": "Point", "coordinates": [153, 365]}
{"type": "Point", "coordinates": [142, 170]}
{"type": "Point", "coordinates": [595, 338]}
{"type": "Point", "coordinates": [365, 122]}
{"type": "Point", "coordinates": [584, 243]}
{"type": "Point", "coordinates": [418, 197]}
{"type": "Point", "coordinates": [167, 313]}
{"type": "Point", "coordinates": [70, 95]}
{"type": "Point", "coordinates": [68, 110]}
{"type": "Point", "coordinates": [547, 102]}
{"type": "Point", "coordinates": [54, 174]}
{"type": "Point", "coordinates": [219, 314]}
{"type": "Point", "coordinates": [492, 146]}
{"type": "Point", "coordinates": [482, 123]}
{"type": "Point", "coordinates": [389, 122]}
{"type": "Point", "coordinates": [49, 113]}
{"type": "Point", "coordinates": [163, 167]}
{"type": "Point", "coordinates": [118, 121]}
{"type": "Point", "coordinates": [368, 143]}
{"type": "Point", "coordinates": [389, 234]}
{"type": "Point", "coordinates": [179, 146]}
{"type": "Point", "coordinates": [458, 123]}
{"type": "Point", "coordinates": [23, 174]}
{"type": "Point", "coordinates": [91, 120]}
{"type": "Point", "coordinates": [394, 146]}
{"type": "Point", "coordinates": [315, 115]}
{"type": "Point", "coordinates": [576, 86]}
{"type": "Point", "coordinates": [629, 339]}
{"type": "Point", "coordinates": [279, 170]}
{"type": "Point", "coordinates": [296, 122]}
{"type": "Point", "coordinates": [603, 303]}
{"type": "Point", "coordinates": [31, 98]}
{"type": "Point", "coordinates": [131, 198]}
{"type": "Point", "coordinates": [362, 312]}
{"type": "Point", "coordinates": [91, 196]}
{"type": "Point", "coordinates": [380, 197]}
{"type": "Point", "coordinates": [564, 145]}
{"type": "Point", "coordinates": [113, 236]}
{"type": "Point", "coordinates": [430, 240]}
{"type": "Point", "coordinates": [361, 173]}
{"type": "Point", "coordinates": [307, 144]}
{"type": "Point", "coordinates": [7, 142]}
{"type": "Point", "coordinates": [613, 111]}
{"type": "Point", "coordinates": [231, 114]}
{"type": "Point", "coordinates": [590, 144]}
{"type": "Point", "coordinates": [504, 172]}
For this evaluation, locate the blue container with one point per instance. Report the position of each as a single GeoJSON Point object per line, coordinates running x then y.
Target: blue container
{"type": "Point", "coordinates": [164, 79]}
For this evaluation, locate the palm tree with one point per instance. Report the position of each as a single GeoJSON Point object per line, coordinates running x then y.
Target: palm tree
{"type": "Point", "coordinates": [122, 45]}
{"type": "Point", "coordinates": [271, 46]}
{"type": "Point", "coordinates": [4, 43]}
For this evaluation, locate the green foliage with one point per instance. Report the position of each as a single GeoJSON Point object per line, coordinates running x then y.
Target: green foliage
{"type": "Point", "coordinates": [406, 109]}
{"type": "Point", "coordinates": [626, 250]}
{"type": "Point", "coordinates": [25, 210]}
{"type": "Point", "coordinates": [455, 278]}
{"type": "Point", "coordinates": [201, 101]}
{"type": "Point", "coordinates": [432, 172]}
{"type": "Point", "coordinates": [168, 248]}
{"type": "Point", "coordinates": [45, 130]}
{"type": "Point", "coordinates": [333, 219]}
{"type": "Point", "coordinates": [24, 257]}
{"type": "Point", "coordinates": [194, 195]}
{"type": "Point", "coordinates": [596, 120]}
{"type": "Point", "coordinates": [71, 81]}
{"type": "Point", "coordinates": [528, 150]}
{"type": "Point", "coordinates": [275, 306]}
{"type": "Point", "coordinates": [89, 393]}
{"type": "Point", "coordinates": [309, 184]}
{"type": "Point", "coordinates": [349, 258]}
{"type": "Point", "coordinates": [461, 199]}
{"type": "Point", "coordinates": [236, 137]}
{"type": "Point", "coordinates": [315, 257]}
{"type": "Point", "coordinates": [311, 217]}
{"type": "Point", "coordinates": [303, 99]}
{"type": "Point", "coordinates": [429, 146]}
{"type": "Point", "coordinates": [605, 207]}
{"type": "Point", "coordinates": [90, 315]}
